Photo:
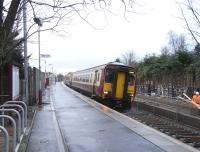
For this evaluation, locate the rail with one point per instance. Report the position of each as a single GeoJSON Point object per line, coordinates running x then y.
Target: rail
{"type": "Point", "coordinates": [6, 139]}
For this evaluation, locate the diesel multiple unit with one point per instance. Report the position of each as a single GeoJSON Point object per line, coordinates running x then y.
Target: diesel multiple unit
{"type": "Point", "coordinates": [112, 83]}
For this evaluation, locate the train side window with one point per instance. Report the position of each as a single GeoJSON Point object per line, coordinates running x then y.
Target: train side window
{"type": "Point", "coordinates": [109, 77]}
{"type": "Point", "coordinates": [87, 78]}
{"type": "Point", "coordinates": [81, 78]}
{"type": "Point", "coordinates": [98, 77]}
{"type": "Point", "coordinates": [131, 80]}
{"type": "Point", "coordinates": [91, 78]}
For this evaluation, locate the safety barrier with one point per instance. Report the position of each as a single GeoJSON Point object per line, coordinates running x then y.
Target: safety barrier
{"type": "Point", "coordinates": [19, 108]}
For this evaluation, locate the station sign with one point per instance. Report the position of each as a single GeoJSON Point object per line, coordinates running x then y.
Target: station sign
{"type": "Point", "coordinates": [45, 55]}
{"type": "Point", "coordinates": [15, 82]}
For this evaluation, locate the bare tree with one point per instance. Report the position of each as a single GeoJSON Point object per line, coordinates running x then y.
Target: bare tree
{"type": "Point", "coordinates": [176, 42]}
{"type": "Point", "coordinates": [128, 58]}
{"type": "Point", "coordinates": [165, 50]}
{"type": "Point", "coordinates": [49, 12]}
{"type": "Point", "coordinates": [191, 14]}
{"type": "Point", "coordinates": [52, 11]}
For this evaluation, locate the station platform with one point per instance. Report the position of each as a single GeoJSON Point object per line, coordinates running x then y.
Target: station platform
{"type": "Point", "coordinates": [70, 122]}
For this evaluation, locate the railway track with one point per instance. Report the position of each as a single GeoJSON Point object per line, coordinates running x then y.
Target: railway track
{"type": "Point", "coordinates": [174, 104]}
{"type": "Point", "coordinates": [186, 134]}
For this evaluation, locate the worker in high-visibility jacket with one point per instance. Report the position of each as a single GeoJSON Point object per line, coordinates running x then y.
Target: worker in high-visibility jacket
{"type": "Point", "coordinates": [196, 98]}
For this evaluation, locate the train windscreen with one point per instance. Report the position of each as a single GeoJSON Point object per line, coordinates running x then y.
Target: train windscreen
{"type": "Point", "coordinates": [109, 77]}
{"type": "Point", "coordinates": [131, 79]}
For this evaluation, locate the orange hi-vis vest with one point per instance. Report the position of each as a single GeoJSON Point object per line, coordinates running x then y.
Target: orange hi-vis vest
{"type": "Point", "coordinates": [196, 98]}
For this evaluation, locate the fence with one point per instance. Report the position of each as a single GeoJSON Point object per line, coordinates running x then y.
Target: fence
{"type": "Point", "coordinates": [33, 80]}
{"type": "Point", "coordinates": [168, 90]}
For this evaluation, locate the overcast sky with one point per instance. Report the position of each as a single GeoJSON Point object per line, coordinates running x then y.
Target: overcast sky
{"type": "Point", "coordinates": [144, 32]}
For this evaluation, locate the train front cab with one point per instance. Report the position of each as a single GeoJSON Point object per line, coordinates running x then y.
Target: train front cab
{"type": "Point", "coordinates": [119, 85]}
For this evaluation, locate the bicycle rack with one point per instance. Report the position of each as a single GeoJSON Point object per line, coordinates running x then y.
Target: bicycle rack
{"type": "Point", "coordinates": [6, 139]}
{"type": "Point", "coordinates": [19, 121]}
{"type": "Point", "coordinates": [25, 108]}
{"type": "Point", "coordinates": [14, 129]}
{"type": "Point", "coordinates": [20, 109]}
{"type": "Point", "coordinates": [8, 106]}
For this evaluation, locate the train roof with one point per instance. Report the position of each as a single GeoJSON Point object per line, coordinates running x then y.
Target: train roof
{"type": "Point", "coordinates": [103, 66]}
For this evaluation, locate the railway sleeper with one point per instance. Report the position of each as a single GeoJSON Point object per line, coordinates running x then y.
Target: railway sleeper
{"type": "Point", "coordinates": [163, 125]}
{"type": "Point", "coordinates": [169, 131]}
{"type": "Point", "coordinates": [173, 131]}
{"type": "Point", "coordinates": [190, 140]}
{"type": "Point", "coordinates": [195, 140]}
{"type": "Point", "coordinates": [157, 122]}
{"type": "Point", "coordinates": [152, 119]}
{"type": "Point", "coordinates": [182, 135]}
{"type": "Point", "coordinates": [181, 131]}
{"type": "Point", "coordinates": [157, 125]}
{"type": "Point", "coordinates": [147, 120]}
{"type": "Point", "coordinates": [189, 133]}
{"type": "Point", "coordinates": [170, 128]}
{"type": "Point", "coordinates": [165, 129]}
{"type": "Point", "coordinates": [196, 144]}
{"type": "Point", "coordinates": [144, 118]}
{"type": "Point", "coordinates": [194, 137]}
{"type": "Point", "coordinates": [141, 114]}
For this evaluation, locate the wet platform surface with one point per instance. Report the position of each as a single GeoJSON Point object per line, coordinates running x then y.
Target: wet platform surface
{"type": "Point", "coordinates": [69, 122]}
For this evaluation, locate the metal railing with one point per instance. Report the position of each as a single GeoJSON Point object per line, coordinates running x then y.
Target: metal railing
{"type": "Point", "coordinates": [16, 113]}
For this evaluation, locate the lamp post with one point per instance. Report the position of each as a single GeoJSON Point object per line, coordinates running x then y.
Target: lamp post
{"type": "Point", "coordinates": [26, 97]}
{"type": "Point", "coordinates": [39, 23]}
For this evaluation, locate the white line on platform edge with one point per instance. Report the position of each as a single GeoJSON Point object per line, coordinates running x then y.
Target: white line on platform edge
{"type": "Point", "coordinates": [59, 136]}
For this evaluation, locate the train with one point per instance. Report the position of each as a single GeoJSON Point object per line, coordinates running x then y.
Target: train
{"type": "Point", "coordinates": [114, 84]}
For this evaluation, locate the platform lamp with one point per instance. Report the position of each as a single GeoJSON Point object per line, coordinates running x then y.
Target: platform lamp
{"type": "Point", "coordinates": [51, 73]}
{"type": "Point", "coordinates": [39, 23]}
{"type": "Point", "coordinates": [45, 56]}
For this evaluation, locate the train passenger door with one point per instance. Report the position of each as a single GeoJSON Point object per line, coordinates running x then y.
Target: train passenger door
{"type": "Point", "coordinates": [120, 85]}
{"type": "Point", "coordinates": [95, 82]}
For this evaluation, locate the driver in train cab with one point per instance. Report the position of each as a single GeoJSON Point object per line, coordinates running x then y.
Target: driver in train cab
{"type": "Point", "coordinates": [196, 98]}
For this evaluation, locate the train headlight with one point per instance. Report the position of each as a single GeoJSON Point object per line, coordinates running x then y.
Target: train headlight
{"type": "Point", "coordinates": [131, 95]}
{"type": "Point", "coordinates": [105, 92]}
